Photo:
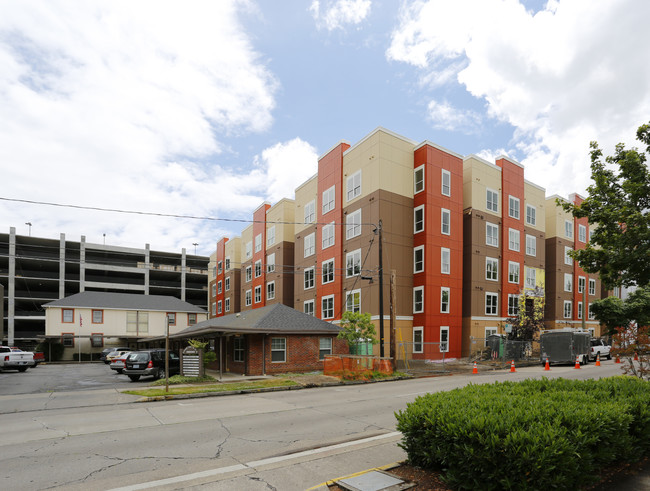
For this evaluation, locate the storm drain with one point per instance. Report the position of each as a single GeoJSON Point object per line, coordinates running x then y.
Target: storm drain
{"type": "Point", "coordinates": [374, 481]}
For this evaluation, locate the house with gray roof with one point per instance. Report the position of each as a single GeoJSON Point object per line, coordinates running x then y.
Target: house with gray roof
{"type": "Point", "coordinates": [89, 321]}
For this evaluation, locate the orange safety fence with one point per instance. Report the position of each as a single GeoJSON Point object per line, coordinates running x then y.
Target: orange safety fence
{"type": "Point", "coordinates": [356, 366]}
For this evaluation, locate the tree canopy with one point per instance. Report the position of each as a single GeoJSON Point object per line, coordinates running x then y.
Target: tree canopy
{"type": "Point", "coordinates": [357, 327]}
{"type": "Point", "coordinates": [619, 205]}
{"type": "Point", "coordinates": [615, 313]}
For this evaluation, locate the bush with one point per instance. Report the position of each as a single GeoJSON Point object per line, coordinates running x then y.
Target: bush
{"type": "Point", "coordinates": [528, 435]}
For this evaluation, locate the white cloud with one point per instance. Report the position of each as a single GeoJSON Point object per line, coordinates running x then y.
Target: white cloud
{"type": "Point", "coordinates": [562, 76]}
{"type": "Point", "coordinates": [112, 104]}
{"type": "Point", "coordinates": [445, 116]}
{"type": "Point", "coordinates": [340, 13]}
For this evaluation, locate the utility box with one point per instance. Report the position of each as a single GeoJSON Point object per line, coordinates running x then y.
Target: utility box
{"type": "Point", "coordinates": [565, 346]}
{"type": "Point", "coordinates": [192, 362]}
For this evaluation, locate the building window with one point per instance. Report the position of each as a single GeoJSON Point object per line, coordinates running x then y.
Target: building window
{"type": "Point", "coordinates": [219, 286]}
{"type": "Point", "coordinates": [513, 272]}
{"type": "Point", "coordinates": [445, 222]}
{"type": "Point", "coordinates": [258, 268]}
{"type": "Point", "coordinates": [568, 282]}
{"type": "Point", "coordinates": [567, 258]}
{"type": "Point", "coordinates": [97, 316]}
{"type": "Point", "coordinates": [590, 312]}
{"type": "Point", "coordinates": [308, 307]}
{"type": "Point", "coordinates": [418, 340]}
{"type": "Point", "coordinates": [617, 292]}
{"type": "Point", "coordinates": [531, 215]}
{"type": "Point", "coordinates": [568, 309]}
{"type": "Point", "coordinates": [67, 315]}
{"type": "Point", "coordinates": [310, 244]}
{"type": "Point", "coordinates": [258, 294]}
{"type": "Point", "coordinates": [327, 307]}
{"type": "Point", "coordinates": [214, 308]}
{"type": "Point", "coordinates": [248, 298]}
{"type": "Point", "coordinates": [582, 233]}
{"type": "Point", "coordinates": [513, 207]}
{"type": "Point", "coordinates": [219, 267]}
{"type": "Point", "coordinates": [491, 269]}
{"type": "Point", "coordinates": [446, 183]}
{"type": "Point", "coordinates": [492, 202]}
{"type": "Point", "coordinates": [238, 349]}
{"type": "Point", "coordinates": [531, 278]}
{"type": "Point", "coordinates": [214, 289]}
{"type": "Point", "coordinates": [444, 300]}
{"type": "Point", "coordinates": [418, 219]}
{"type": "Point", "coordinates": [581, 284]}
{"type": "Point", "coordinates": [579, 310]}
{"type": "Point", "coordinates": [324, 347]}
{"type": "Point", "coordinates": [227, 264]}
{"type": "Point", "coordinates": [568, 229]}
{"type": "Point", "coordinates": [270, 236]}
{"type": "Point", "coordinates": [353, 263]}
{"type": "Point", "coordinates": [137, 322]}
{"type": "Point", "coordinates": [278, 350]}
{"type": "Point", "coordinates": [513, 305]}
{"type": "Point", "coordinates": [310, 212]}
{"type": "Point", "coordinates": [492, 234]}
{"type": "Point", "coordinates": [249, 273]}
{"type": "Point", "coordinates": [219, 307]}
{"type": "Point", "coordinates": [171, 317]}
{"type": "Point", "coordinates": [592, 287]}
{"type": "Point", "coordinates": [445, 260]}
{"type": "Point", "coordinates": [214, 271]}
{"type": "Point", "coordinates": [418, 179]}
{"type": "Point", "coordinates": [227, 281]}
{"type": "Point", "coordinates": [309, 278]}
{"type": "Point", "coordinates": [328, 235]}
{"type": "Point", "coordinates": [328, 271]}
{"type": "Point", "coordinates": [531, 245]}
{"type": "Point", "coordinates": [353, 224]}
{"type": "Point", "coordinates": [353, 301]}
{"type": "Point", "coordinates": [249, 249]}
{"type": "Point", "coordinates": [97, 340]}
{"type": "Point", "coordinates": [191, 319]}
{"type": "Point", "coordinates": [354, 185]}
{"type": "Point", "coordinates": [513, 244]}
{"type": "Point", "coordinates": [227, 304]}
{"type": "Point", "coordinates": [418, 299]}
{"type": "Point", "coordinates": [418, 259]}
{"type": "Point", "coordinates": [270, 263]}
{"type": "Point", "coordinates": [67, 339]}
{"type": "Point", "coordinates": [270, 290]}
{"type": "Point", "coordinates": [491, 303]}
{"type": "Point", "coordinates": [258, 242]}
{"type": "Point", "coordinates": [444, 339]}
{"type": "Point", "coordinates": [328, 199]}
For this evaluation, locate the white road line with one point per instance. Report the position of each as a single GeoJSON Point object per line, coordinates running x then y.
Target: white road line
{"type": "Point", "coordinates": [253, 464]}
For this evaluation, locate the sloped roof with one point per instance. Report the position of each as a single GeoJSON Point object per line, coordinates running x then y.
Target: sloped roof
{"type": "Point", "coordinates": [125, 301]}
{"type": "Point", "coordinates": [272, 319]}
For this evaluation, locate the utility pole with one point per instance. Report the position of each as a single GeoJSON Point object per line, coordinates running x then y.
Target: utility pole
{"type": "Point", "coordinates": [393, 316]}
{"type": "Point", "coordinates": [381, 297]}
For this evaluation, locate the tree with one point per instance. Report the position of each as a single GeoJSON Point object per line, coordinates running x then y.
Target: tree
{"type": "Point", "coordinates": [529, 319]}
{"type": "Point", "coordinates": [619, 205]}
{"type": "Point", "coordinates": [356, 328]}
{"type": "Point", "coordinates": [610, 312]}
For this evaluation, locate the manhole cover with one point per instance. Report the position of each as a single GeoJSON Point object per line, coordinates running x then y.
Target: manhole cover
{"type": "Point", "coordinates": [374, 481]}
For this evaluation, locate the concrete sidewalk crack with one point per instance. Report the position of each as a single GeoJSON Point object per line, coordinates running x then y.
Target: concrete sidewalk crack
{"type": "Point", "coordinates": [259, 479]}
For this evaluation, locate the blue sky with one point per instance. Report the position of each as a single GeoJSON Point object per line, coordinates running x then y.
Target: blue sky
{"type": "Point", "coordinates": [211, 108]}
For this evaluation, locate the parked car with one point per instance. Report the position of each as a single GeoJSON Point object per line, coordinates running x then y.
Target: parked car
{"type": "Point", "coordinates": [150, 363]}
{"type": "Point", "coordinates": [599, 346]}
{"type": "Point", "coordinates": [116, 354]}
{"type": "Point", "coordinates": [106, 351]}
{"type": "Point", "coordinates": [117, 363]}
{"type": "Point", "coordinates": [38, 357]}
{"type": "Point", "coordinates": [15, 360]}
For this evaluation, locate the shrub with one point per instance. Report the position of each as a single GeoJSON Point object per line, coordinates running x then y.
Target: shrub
{"type": "Point", "coordinates": [56, 350]}
{"type": "Point", "coordinates": [528, 435]}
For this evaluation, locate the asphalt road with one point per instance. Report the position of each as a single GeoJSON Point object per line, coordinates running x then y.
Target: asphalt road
{"type": "Point", "coordinates": [275, 440]}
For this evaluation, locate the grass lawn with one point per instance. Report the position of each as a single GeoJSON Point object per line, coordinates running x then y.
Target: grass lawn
{"type": "Point", "coordinates": [203, 387]}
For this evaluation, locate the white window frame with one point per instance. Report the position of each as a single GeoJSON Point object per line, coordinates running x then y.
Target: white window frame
{"type": "Point", "coordinates": [492, 200]}
{"type": "Point", "coordinates": [353, 301]}
{"type": "Point", "coordinates": [219, 286]}
{"type": "Point", "coordinates": [418, 184]}
{"type": "Point", "coordinates": [327, 307]}
{"type": "Point", "coordinates": [270, 290]}
{"type": "Point", "coordinates": [309, 277]}
{"type": "Point", "coordinates": [258, 242]}
{"type": "Point", "coordinates": [590, 313]}
{"type": "Point", "coordinates": [308, 307]}
{"type": "Point", "coordinates": [514, 268]}
{"type": "Point", "coordinates": [445, 260]}
{"type": "Point", "coordinates": [568, 282]}
{"type": "Point", "coordinates": [219, 307]}
{"type": "Point", "coordinates": [258, 294]}
{"type": "Point", "coordinates": [443, 304]}
{"type": "Point", "coordinates": [418, 294]}
{"type": "Point", "coordinates": [445, 221]}
{"type": "Point", "coordinates": [219, 267]}
{"type": "Point", "coordinates": [418, 225]}
{"type": "Point", "coordinates": [491, 269]}
{"type": "Point", "coordinates": [328, 236]}
{"type": "Point", "coordinates": [568, 229]}
{"type": "Point", "coordinates": [418, 339]}
{"type": "Point", "coordinates": [214, 289]}
{"type": "Point", "coordinates": [444, 339]}
{"type": "Point", "coordinates": [418, 259]}
{"type": "Point", "coordinates": [353, 224]}
{"type": "Point", "coordinates": [531, 278]}
{"type": "Point", "coordinates": [310, 212]}
{"type": "Point", "coordinates": [493, 305]}
{"type": "Point", "coordinates": [214, 308]}
{"type": "Point", "coordinates": [329, 199]}
{"type": "Point", "coordinates": [270, 263]}
{"type": "Point", "coordinates": [353, 269]}
{"type": "Point", "coordinates": [330, 271]}
{"type": "Point", "coordinates": [353, 187]}
{"type": "Point", "coordinates": [445, 176]}
{"type": "Point", "coordinates": [495, 238]}
{"type": "Point", "coordinates": [513, 207]}
{"type": "Point", "coordinates": [249, 249]}
{"type": "Point", "coordinates": [227, 263]}
{"type": "Point", "coordinates": [258, 268]}
{"type": "Point", "coordinates": [279, 345]}
{"type": "Point", "coordinates": [514, 240]}
{"type": "Point", "coordinates": [568, 260]}
{"type": "Point", "coordinates": [579, 310]}
{"type": "Point", "coordinates": [582, 283]}
{"type": "Point", "coordinates": [531, 245]}
{"type": "Point", "coordinates": [582, 233]}
{"type": "Point", "coordinates": [324, 347]}
{"type": "Point", "coordinates": [592, 286]}
{"type": "Point", "coordinates": [531, 215]}
{"type": "Point", "coordinates": [227, 304]}
{"type": "Point", "coordinates": [270, 236]}
{"type": "Point", "coordinates": [513, 305]}
{"type": "Point", "coordinates": [226, 281]}
{"type": "Point", "coordinates": [568, 309]}
{"type": "Point", "coordinates": [310, 244]}
{"type": "Point", "coordinates": [248, 296]}
{"type": "Point", "coordinates": [249, 273]}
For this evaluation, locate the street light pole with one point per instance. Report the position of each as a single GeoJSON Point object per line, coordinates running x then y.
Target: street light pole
{"type": "Point", "coordinates": [381, 296]}
{"type": "Point", "coordinates": [166, 352]}
{"type": "Point", "coordinates": [195, 244]}
{"type": "Point", "coordinates": [29, 224]}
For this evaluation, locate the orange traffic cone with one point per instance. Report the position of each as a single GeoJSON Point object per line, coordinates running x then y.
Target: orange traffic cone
{"type": "Point", "coordinates": [475, 369]}
{"type": "Point", "coordinates": [597, 359]}
{"type": "Point", "coordinates": [618, 360]}
{"type": "Point", "coordinates": [636, 356]}
{"type": "Point", "coordinates": [512, 366]}
{"type": "Point", "coordinates": [577, 362]}
{"type": "Point", "coordinates": [547, 366]}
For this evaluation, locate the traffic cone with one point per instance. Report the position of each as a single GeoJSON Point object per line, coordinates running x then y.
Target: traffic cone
{"type": "Point", "coordinates": [512, 366]}
{"type": "Point", "coordinates": [636, 356]}
{"type": "Point", "coordinates": [475, 369]}
{"type": "Point", "coordinates": [597, 359]}
{"type": "Point", "coordinates": [547, 366]}
{"type": "Point", "coordinates": [618, 360]}
{"type": "Point", "coordinates": [577, 362]}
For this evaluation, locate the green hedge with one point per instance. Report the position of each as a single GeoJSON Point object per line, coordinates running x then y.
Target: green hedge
{"type": "Point", "coordinates": [536, 434]}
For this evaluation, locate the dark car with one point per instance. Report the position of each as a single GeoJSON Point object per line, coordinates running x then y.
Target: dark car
{"type": "Point", "coordinates": [106, 351]}
{"type": "Point", "coordinates": [150, 363]}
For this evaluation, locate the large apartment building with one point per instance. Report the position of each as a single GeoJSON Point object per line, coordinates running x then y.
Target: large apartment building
{"type": "Point", "coordinates": [36, 270]}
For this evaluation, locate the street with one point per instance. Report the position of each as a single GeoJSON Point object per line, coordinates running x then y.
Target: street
{"type": "Point", "coordinates": [286, 440]}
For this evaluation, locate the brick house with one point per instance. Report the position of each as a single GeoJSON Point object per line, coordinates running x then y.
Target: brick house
{"type": "Point", "coordinates": [268, 340]}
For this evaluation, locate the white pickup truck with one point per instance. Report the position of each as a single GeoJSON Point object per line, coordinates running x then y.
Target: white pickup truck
{"type": "Point", "coordinates": [15, 360]}
{"type": "Point", "coordinates": [598, 346]}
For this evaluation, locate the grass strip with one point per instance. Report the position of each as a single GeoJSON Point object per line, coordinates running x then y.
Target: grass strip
{"type": "Point", "coordinates": [199, 389]}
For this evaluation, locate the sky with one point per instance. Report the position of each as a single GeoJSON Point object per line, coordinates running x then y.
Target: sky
{"type": "Point", "coordinates": [207, 109]}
